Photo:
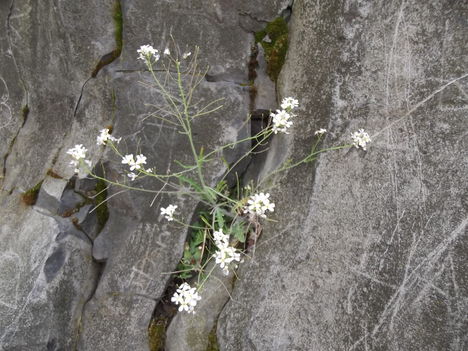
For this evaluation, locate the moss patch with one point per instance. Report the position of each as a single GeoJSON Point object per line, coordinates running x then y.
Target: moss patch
{"type": "Point", "coordinates": [102, 212]}
{"type": "Point", "coordinates": [157, 334]}
{"type": "Point", "coordinates": [29, 197]}
{"type": "Point", "coordinates": [25, 113]}
{"type": "Point", "coordinates": [118, 23]}
{"type": "Point", "coordinates": [274, 40]}
{"type": "Point", "coordinates": [212, 341]}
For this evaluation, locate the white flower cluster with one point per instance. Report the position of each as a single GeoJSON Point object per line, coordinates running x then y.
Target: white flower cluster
{"type": "Point", "coordinates": [105, 136]}
{"type": "Point", "coordinates": [281, 121]}
{"type": "Point", "coordinates": [187, 297]}
{"type": "Point", "coordinates": [360, 139]}
{"type": "Point", "coordinates": [134, 164]}
{"type": "Point", "coordinates": [225, 254]}
{"type": "Point", "coordinates": [321, 131]}
{"type": "Point", "coordinates": [282, 118]}
{"type": "Point", "coordinates": [289, 103]}
{"type": "Point", "coordinates": [78, 153]}
{"type": "Point", "coordinates": [148, 53]}
{"type": "Point", "coordinates": [258, 204]}
{"type": "Point", "coordinates": [168, 212]}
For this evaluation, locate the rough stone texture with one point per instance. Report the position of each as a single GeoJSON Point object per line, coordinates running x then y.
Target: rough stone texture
{"type": "Point", "coordinates": [47, 276]}
{"type": "Point", "coordinates": [373, 248]}
{"type": "Point", "coordinates": [48, 51]}
{"type": "Point", "coordinates": [191, 331]}
{"type": "Point", "coordinates": [266, 88]}
{"type": "Point", "coordinates": [370, 251]}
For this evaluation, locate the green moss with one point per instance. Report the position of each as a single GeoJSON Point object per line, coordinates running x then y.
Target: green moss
{"type": "Point", "coordinates": [275, 46]}
{"type": "Point", "coordinates": [25, 112]}
{"type": "Point", "coordinates": [157, 334]}
{"type": "Point", "coordinates": [102, 212]}
{"type": "Point", "coordinates": [29, 197]}
{"type": "Point", "coordinates": [118, 23]}
{"type": "Point", "coordinates": [212, 341]}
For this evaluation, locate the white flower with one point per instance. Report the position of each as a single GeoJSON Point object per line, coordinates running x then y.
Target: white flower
{"type": "Point", "coordinates": [78, 152]}
{"type": "Point", "coordinates": [224, 256]}
{"type": "Point", "coordinates": [104, 136]}
{"type": "Point", "coordinates": [185, 55]}
{"type": "Point", "coordinates": [258, 204]}
{"type": "Point", "coordinates": [321, 131]}
{"type": "Point", "coordinates": [167, 52]}
{"type": "Point", "coordinates": [281, 121]}
{"type": "Point", "coordinates": [187, 297]}
{"type": "Point", "coordinates": [140, 160]}
{"type": "Point", "coordinates": [168, 212]}
{"type": "Point", "coordinates": [147, 52]}
{"type": "Point", "coordinates": [75, 164]}
{"type": "Point", "coordinates": [360, 139]}
{"type": "Point", "coordinates": [289, 103]}
{"type": "Point", "coordinates": [129, 160]}
{"type": "Point", "coordinates": [220, 238]}
{"type": "Point", "coordinates": [132, 176]}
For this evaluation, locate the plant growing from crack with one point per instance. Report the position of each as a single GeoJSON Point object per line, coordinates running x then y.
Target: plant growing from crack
{"type": "Point", "coordinates": [230, 216]}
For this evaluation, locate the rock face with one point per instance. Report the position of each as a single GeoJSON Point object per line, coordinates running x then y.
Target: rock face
{"type": "Point", "coordinates": [370, 249]}
{"type": "Point", "coordinates": [189, 331]}
{"type": "Point", "coordinates": [64, 75]}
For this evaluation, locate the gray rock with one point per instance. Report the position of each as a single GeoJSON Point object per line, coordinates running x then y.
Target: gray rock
{"type": "Point", "coordinates": [115, 309]}
{"type": "Point", "coordinates": [70, 201]}
{"type": "Point", "coordinates": [370, 248]}
{"type": "Point", "coordinates": [189, 331]}
{"type": "Point", "coordinates": [266, 88]}
{"type": "Point", "coordinates": [47, 51]}
{"type": "Point", "coordinates": [47, 276]}
{"type": "Point", "coordinates": [53, 52]}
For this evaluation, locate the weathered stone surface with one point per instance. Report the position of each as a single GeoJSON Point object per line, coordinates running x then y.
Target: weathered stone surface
{"type": "Point", "coordinates": [372, 245]}
{"type": "Point", "coordinates": [47, 51]}
{"type": "Point", "coordinates": [192, 331]}
{"type": "Point", "coordinates": [53, 52]}
{"type": "Point", "coordinates": [370, 249]}
{"type": "Point", "coordinates": [47, 276]}
{"type": "Point", "coordinates": [50, 103]}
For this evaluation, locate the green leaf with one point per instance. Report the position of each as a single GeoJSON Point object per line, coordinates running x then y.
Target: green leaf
{"type": "Point", "coordinates": [191, 182]}
{"type": "Point", "coordinates": [183, 165]}
{"type": "Point", "coordinates": [210, 194]}
{"type": "Point", "coordinates": [187, 255]}
{"type": "Point", "coordinates": [205, 220]}
{"type": "Point", "coordinates": [221, 186]}
{"type": "Point", "coordinates": [197, 254]}
{"type": "Point", "coordinates": [238, 230]}
{"type": "Point", "coordinates": [198, 239]}
{"type": "Point", "coordinates": [185, 275]}
{"type": "Point", "coordinates": [219, 218]}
